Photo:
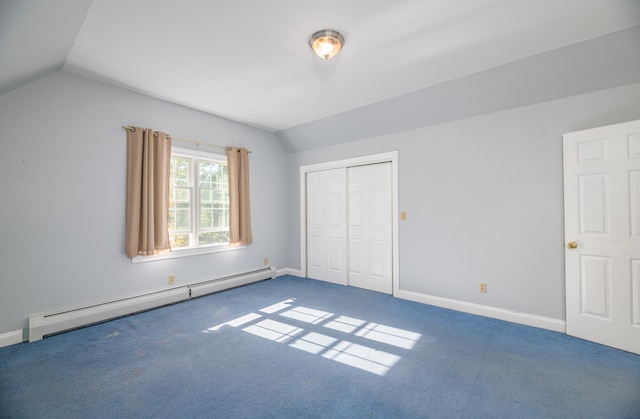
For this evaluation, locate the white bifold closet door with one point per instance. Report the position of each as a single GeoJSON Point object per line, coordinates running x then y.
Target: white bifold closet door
{"type": "Point", "coordinates": [349, 226]}
{"type": "Point", "coordinates": [327, 225]}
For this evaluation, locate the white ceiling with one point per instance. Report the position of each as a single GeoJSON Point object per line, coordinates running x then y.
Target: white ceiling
{"type": "Point", "coordinates": [249, 60]}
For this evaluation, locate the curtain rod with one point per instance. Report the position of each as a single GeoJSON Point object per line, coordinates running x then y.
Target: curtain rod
{"type": "Point", "coordinates": [185, 140]}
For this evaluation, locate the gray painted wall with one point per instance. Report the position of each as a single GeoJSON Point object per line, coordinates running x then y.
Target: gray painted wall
{"type": "Point", "coordinates": [62, 183]}
{"type": "Point", "coordinates": [483, 197]}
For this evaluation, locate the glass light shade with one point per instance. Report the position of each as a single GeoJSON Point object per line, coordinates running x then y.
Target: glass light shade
{"type": "Point", "coordinates": [326, 43]}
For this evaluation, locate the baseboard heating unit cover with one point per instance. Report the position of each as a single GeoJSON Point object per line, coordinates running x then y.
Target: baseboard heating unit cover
{"type": "Point", "coordinates": [49, 324]}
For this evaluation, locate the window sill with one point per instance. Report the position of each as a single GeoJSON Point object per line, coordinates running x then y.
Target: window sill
{"type": "Point", "coordinates": [180, 253]}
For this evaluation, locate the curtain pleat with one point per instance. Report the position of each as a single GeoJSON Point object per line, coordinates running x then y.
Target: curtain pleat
{"type": "Point", "coordinates": [239, 202]}
{"type": "Point", "coordinates": [147, 209]}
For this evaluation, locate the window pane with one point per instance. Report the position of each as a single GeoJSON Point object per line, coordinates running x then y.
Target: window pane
{"type": "Point", "coordinates": [208, 173]}
{"type": "Point", "coordinates": [179, 240]}
{"type": "Point", "coordinates": [183, 219]}
{"type": "Point", "coordinates": [219, 195]}
{"type": "Point", "coordinates": [213, 237]}
{"type": "Point", "coordinates": [180, 171]}
{"type": "Point", "coordinates": [205, 221]}
{"type": "Point", "coordinates": [206, 216]}
{"type": "Point", "coordinates": [180, 209]}
{"type": "Point", "coordinates": [182, 194]}
{"type": "Point", "coordinates": [214, 213]}
{"type": "Point", "coordinates": [206, 195]}
{"type": "Point", "coordinates": [221, 216]}
{"type": "Point", "coordinates": [223, 181]}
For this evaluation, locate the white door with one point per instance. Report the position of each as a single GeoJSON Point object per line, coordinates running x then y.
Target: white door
{"type": "Point", "coordinates": [369, 233]}
{"type": "Point", "coordinates": [327, 225]}
{"type": "Point", "coordinates": [602, 235]}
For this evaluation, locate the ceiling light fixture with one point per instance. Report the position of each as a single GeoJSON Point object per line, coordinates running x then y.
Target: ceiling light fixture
{"type": "Point", "coordinates": [326, 43]}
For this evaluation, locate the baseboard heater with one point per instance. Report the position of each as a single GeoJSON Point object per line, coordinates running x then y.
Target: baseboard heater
{"type": "Point", "coordinates": [50, 324]}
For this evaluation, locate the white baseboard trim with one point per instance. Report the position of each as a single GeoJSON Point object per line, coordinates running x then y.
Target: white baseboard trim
{"type": "Point", "coordinates": [526, 319]}
{"type": "Point", "coordinates": [486, 311]}
{"type": "Point", "coordinates": [11, 338]}
{"type": "Point", "coordinates": [290, 271]}
{"type": "Point", "coordinates": [15, 337]}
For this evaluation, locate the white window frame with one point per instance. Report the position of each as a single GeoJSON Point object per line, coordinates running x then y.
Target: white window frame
{"type": "Point", "coordinates": [195, 213]}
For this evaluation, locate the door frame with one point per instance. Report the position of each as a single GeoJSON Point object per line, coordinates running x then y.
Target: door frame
{"type": "Point", "coordinates": [388, 157]}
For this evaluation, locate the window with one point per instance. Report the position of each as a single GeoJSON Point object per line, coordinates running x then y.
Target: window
{"type": "Point", "coordinates": [198, 199]}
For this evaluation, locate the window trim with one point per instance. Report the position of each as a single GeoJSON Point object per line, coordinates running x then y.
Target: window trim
{"type": "Point", "coordinates": [180, 253]}
{"type": "Point", "coordinates": [198, 250]}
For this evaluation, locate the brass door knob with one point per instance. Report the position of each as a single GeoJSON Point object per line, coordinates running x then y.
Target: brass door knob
{"type": "Point", "coordinates": [572, 245]}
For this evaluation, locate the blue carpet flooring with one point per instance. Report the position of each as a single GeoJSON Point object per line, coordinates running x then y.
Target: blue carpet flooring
{"type": "Point", "coordinates": [298, 348]}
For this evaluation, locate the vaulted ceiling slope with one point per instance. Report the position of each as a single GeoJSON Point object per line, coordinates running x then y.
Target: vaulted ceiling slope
{"type": "Point", "coordinates": [36, 37]}
{"type": "Point", "coordinates": [405, 63]}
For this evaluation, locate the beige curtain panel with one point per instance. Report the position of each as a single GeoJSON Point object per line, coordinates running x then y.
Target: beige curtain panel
{"type": "Point", "coordinates": [148, 163]}
{"type": "Point", "coordinates": [239, 205]}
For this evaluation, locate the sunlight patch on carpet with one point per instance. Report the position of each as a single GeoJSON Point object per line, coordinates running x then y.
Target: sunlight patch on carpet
{"type": "Point", "coordinates": [389, 335]}
{"type": "Point", "coordinates": [363, 357]}
{"type": "Point", "coordinates": [314, 343]}
{"type": "Point", "coordinates": [307, 315]}
{"type": "Point", "coordinates": [335, 348]}
{"type": "Point", "coordinates": [278, 306]}
{"type": "Point", "coordinates": [237, 322]}
{"type": "Point", "coordinates": [273, 330]}
{"type": "Point", "coordinates": [345, 324]}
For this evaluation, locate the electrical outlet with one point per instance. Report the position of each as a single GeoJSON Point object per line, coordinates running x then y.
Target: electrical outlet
{"type": "Point", "coordinates": [483, 287]}
{"type": "Point", "coordinates": [266, 261]}
{"type": "Point", "coordinates": [172, 279]}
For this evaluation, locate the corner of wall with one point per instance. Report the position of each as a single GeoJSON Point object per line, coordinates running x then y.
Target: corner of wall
{"type": "Point", "coordinates": [290, 271]}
